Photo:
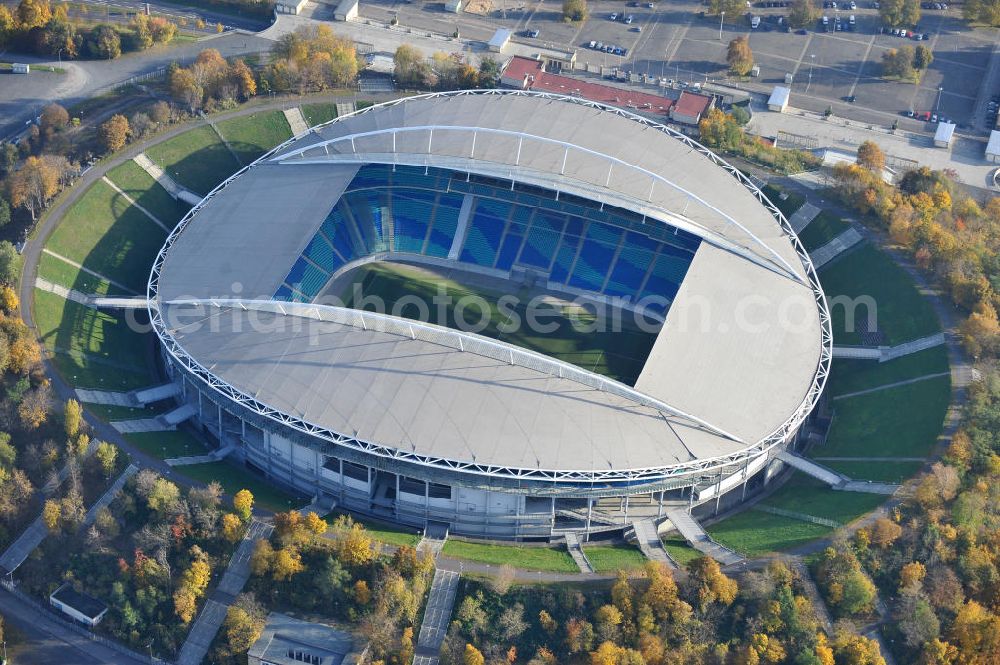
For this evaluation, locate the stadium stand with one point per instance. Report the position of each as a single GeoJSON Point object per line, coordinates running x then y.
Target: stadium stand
{"type": "Point", "coordinates": [414, 210]}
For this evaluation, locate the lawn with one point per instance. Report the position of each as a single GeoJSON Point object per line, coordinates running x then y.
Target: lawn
{"type": "Point", "coordinates": [754, 533]}
{"type": "Point", "coordinates": [822, 229]}
{"type": "Point", "coordinates": [849, 376]}
{"type": "Point", "coordinates": [165, 445]}
{"type": "Point", "coordinates": [680, 551]}
{"type": "Point", "coordinates": [617, 354]}
{"type": "Point", "coordinates": [895, 422]}
{"type": "Point", "coordinates": [112, 412]}
{"type": "Point", "coordinates": [380, 531]}
{"type": "Point", "coordinates": [95, 349]}
{"type": "Point", "coordinates": [611, 558]}
{"type": "Point", "coordinates": [787, 206]}
{"type": "Point", "coordinates": [886, 472]}
{"type": "Point", "coordinates": [233, 479]}
{"type": "Point", "coordinates": [316, 114]}
{"type": "Point", "coordinates": [526, 558]}
{"type": "Point", "coordinates": [108, 235]}
{"type": "Point", "coordinates": [59, 272]}
{"type": "Point", "coordinates": [134, 181]}
{"type": "Point", "coordinates": [250, 136]}
{"type": "Point", "coordinates": [900, 311]}
{"type": "Point", "coordinates": [197, 159]}
{"type": "Point", "coordinates": [803, 494]}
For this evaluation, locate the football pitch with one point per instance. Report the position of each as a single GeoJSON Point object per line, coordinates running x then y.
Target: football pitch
{"type": "Point", "coordinates": [557, 327]}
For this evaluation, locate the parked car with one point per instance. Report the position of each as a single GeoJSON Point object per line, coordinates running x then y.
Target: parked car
{"type": "Point", "coordinates": [755, 22]}
{"type": "Point", "coordinates": [628, 19]}
{"type": "Point", "coordinates": [613, 16]}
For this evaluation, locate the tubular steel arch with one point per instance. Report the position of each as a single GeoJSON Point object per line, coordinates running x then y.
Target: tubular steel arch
{"type": "Point", "coordinates": [622, 476]}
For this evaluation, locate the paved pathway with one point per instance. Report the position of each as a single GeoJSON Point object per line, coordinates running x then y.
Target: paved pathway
{"type": "Point", "coordinates": [69, 294]}
{"type": "Point", "coordinates": [168, 183]}
{"type": "Point", "coordinates": [831, 250]}
{"type": "Point", "coordinates": [811, 468]}
{"type": "Point", "coordinates": [110, 494]}
{"type": "Point", "coordinates": [132, 201]}
{"type": "Point", "coordinates": [800, 218]}
{"type": "Point", "coordinates": [897, 384]}
{"type": "Point", "coordinates": [437, 615]}
{"type": "Point", "coordinates": [296, 120]}
{"type": "Point", "coordinates": [575, 551]}
{"type": "Point", "coordinates": [885, 353]}
{"type": "Point", "coordinates": [210, 618]}
{"type": "Point", "coordinates": [87, 270]}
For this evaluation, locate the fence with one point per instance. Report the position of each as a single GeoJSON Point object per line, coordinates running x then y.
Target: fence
{"type": "Point", "coordinates": [78, 629]}
{"type": "Point", "coordinates": [803, 517]}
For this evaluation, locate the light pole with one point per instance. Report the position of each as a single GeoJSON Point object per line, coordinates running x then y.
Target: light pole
{"type": "Point", "coordinates": [722, 17]}
{"type": "Point", "coordinates": [812, 63]}
{"type": "Point", "coordinates": [937, 106]}
{"type": "Point", "coordinates": [59, 55]}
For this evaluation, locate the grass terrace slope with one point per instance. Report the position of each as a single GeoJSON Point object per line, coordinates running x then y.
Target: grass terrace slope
{"type": "Point", "coordinates": [250, 136]}
{"type": "Point", "coordinates": [196, 159]}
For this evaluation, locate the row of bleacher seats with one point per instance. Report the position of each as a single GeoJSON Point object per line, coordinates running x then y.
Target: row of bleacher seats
{"type": "Point", "coordinates": [574, 241]}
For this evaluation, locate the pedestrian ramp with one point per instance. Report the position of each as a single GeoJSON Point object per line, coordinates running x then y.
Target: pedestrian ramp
{"type": "Point", "coordinates": [800, 218]}
{"type": "Point", "coordinates": [823, 255]}
{"type": "Point", "coordinates": [576, 551]}
{"type": "Point", "coordinates": [696, 536]}
{"type": "Point", "coordinates": [648, 539]}
{"type": "Point", "coordinates": [814, 469]}
{"type": "Point", "coordinates": [437, 614]}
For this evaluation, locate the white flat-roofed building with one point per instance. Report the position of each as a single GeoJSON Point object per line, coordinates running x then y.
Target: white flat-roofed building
{"type": "Point", "coordinates": [993, 147]}
{"type": "Point", "coordinates": [778, 101]}
{"type": "Point", "coordinates": [944, 134]}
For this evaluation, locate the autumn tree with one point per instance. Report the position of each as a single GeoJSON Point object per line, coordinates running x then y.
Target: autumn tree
{"type": "Point", "coordinates": [898, 63]}
{"type": "Point", "coordinates": [185, 88]}
{"type": "Point", "coordinates": [53, 118]}
{"type": "Point", "coordinates": [106, 454]}
{"type": "Point", "coordinates": [802, 13]}
{"type": "Point", "coordinates": [899, 13]}
{"type": "Point", "coordinates": [473, 656]}
{"type": "Point", "coordinates": [574, 10]}
{"type": "Point", "coordinates": [34, 184]}
{"type": "Point", "coordinates": [244, 623]}
{"type": "Point", "coordinates": [986, 12]}
{"type": "Point", "coordinates": [162, 496]}
{"type": "Point", "coordinates": [104, 42]}
{"type": "Point", "coordinates": [34, 408]}
{"type": "Point", "coordinates": [231, 525]}
{"type": "Point", "coordinates": [261, 558]}
{"type": "Point", "coordinates": [871, 156]}
{"type": "Point", "coordinates": [192, 584]}
{"type": "Point", "coordinates": [114, 132]}
{"type": "Point", "coordinates": [739, 56]}
{"type": "Point", "coordinates": [352, 543]}
{"type": "Point", "coordinates": [33, 13]}
{"type": "Point", "coordinates": [709, 584]}
{"type": "Point", "coordinates": [730, 7]}
{"type": "Point", "coordinates": [243, 504]}
{"type": "Point", "coordinates": [72, 417]}
{"type": "Point", "coordinates": [51, 514]}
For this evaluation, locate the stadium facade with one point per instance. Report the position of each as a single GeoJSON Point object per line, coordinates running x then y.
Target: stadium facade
{"type": "Point", "coordinates": [419, 423]}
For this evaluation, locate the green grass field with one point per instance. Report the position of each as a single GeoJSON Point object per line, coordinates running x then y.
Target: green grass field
{"type": "Point", "coordinates": [164, 445]}
{"type": "Point", "coordinates": [619, 355]}
{"type": "Point", "coordinates": [233, 479]}
{"type": "Point", "coordinates": [789, 205]}
{"type": "Point", "coordinates": [381, 531]}
{"type": "Point", "coordinates": [93, 349]}
{"type": "Point", "coordinates": [886, 472]}
{"type": "Point", "coordinates": [754, 533]}
{"type": "Point", "coordinates": [59, 272]}
{"type": "Point", "coordinates": [680, 551]}
{"type": "Point", "coordinates": [822, 229]}
{"type": "Point", "coordinates": [250, 136]}
{"type": "Point", "coordinates": [803, 494]}
{"type": "Point", "coordinates": [526, 558]}
{"type": "Point", "coordinates": [849, 376]}
{"type": "Point", "coordinates": [895, 422]}
{"type": "Point", "coordinates": [902, 313]}
{"type": "Point", "coordinates": [612, 558]}
{"type": "Point", "coordinates": [145, 191]}
{"type": "Point", "coordinates": [318, 113]}
{"type": "Point", "coordinates": [112, 412]}
{"type": "Point", "coordinates": [106, 234]}
{"type": "Point", "coordinates": [197, 159]}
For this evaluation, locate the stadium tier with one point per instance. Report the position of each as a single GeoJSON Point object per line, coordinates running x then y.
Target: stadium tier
{"type": "Point", "coordinates": [414, 210]}
{"type": "Point", "coordinates": [522, 433]}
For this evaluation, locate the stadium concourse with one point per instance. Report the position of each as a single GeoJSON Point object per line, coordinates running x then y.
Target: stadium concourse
{"type": "Point", "coordinates": [482, 433]}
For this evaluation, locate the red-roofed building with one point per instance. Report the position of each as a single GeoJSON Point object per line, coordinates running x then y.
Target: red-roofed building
{"type": "Point", "coordinates": [690, 108]}
{"type": "Point", "coordinates": [527, 74]}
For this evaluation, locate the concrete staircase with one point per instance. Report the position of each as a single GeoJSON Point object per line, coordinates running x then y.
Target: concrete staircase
{"type": "Point", "coordinates": [437, 616]}
{"type": "Point", "coordinates": [648, 539]}
{"type": "Point", "coordinates": [692, 532]}
{"type": "Point", "coordinates": [575, 551]}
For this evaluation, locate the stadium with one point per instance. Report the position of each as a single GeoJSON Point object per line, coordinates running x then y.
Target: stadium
{"type": "Point", "coordinates": [688, 339]}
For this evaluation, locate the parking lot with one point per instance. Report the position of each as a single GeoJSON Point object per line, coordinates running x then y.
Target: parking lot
{"type": "Point", "coordinates": [671, 41]}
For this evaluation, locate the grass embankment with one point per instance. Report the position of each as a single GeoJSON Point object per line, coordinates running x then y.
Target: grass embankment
{"type": "Point", "coordinates": [901, 312]}
{"type": "Point", "coordinates": [526, 558]}
{"type": "Point", "coordinates": [612, 558]}
{"type": "Point", "coordinates": [197, 159]}
{"type": "Point", "coordinates": [822, 229]}
{"type": "Point", "coordinates": [316, 114]}
{"type": "Point", "coordinates": [250, 136]}
{"type": "Point", "coordinates": [381, 531]}
{"type": "Point", "coordinates": [233, 479]}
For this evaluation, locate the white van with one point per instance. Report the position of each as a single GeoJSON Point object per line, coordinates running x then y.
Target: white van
{"type": "Point", "coordinates": [755, 22]}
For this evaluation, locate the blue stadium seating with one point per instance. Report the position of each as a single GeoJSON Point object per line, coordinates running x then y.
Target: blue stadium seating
{"type": "Point", "coordinates": [411, 215]}
{"type": "Point", "coordinates": [596, 254]}
{"type": "Point", "coordinates": [444, 226]}
{"type": "Point", "coordinates": [575, 240]}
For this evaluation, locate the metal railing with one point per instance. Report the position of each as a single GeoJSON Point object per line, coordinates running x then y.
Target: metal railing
{"type": "Point", "coordinates": [695, 467]}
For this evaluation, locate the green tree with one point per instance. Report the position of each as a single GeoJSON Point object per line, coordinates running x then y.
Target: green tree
{"type": "Point", "coordinates": [922, 57]}
{"type": "Point", "coordinates": [107, 455]}
{"type": "Point", "coordinates": [898, 63]}
{"type": "Point", "coordinates": [10, 263]}
{"type": "Point", "coordinates": [33, 13]}
{"type": "Point", "coordinates": [802, 13]}
{"type": "Point", "coordinates": [732, 8]}
{"type": "Point", "coordinates": [897, 13]}
{"type": "Point", "coordinates": [4, 212]}
{"type": "Point", "coordinates": [72, 417]}
{"type": "Point", "coordinates": [982, 11]}
{"type": "Point", "coordinates": [104, 42]}
{"type": "Point", "coordinates": [575, 10]}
